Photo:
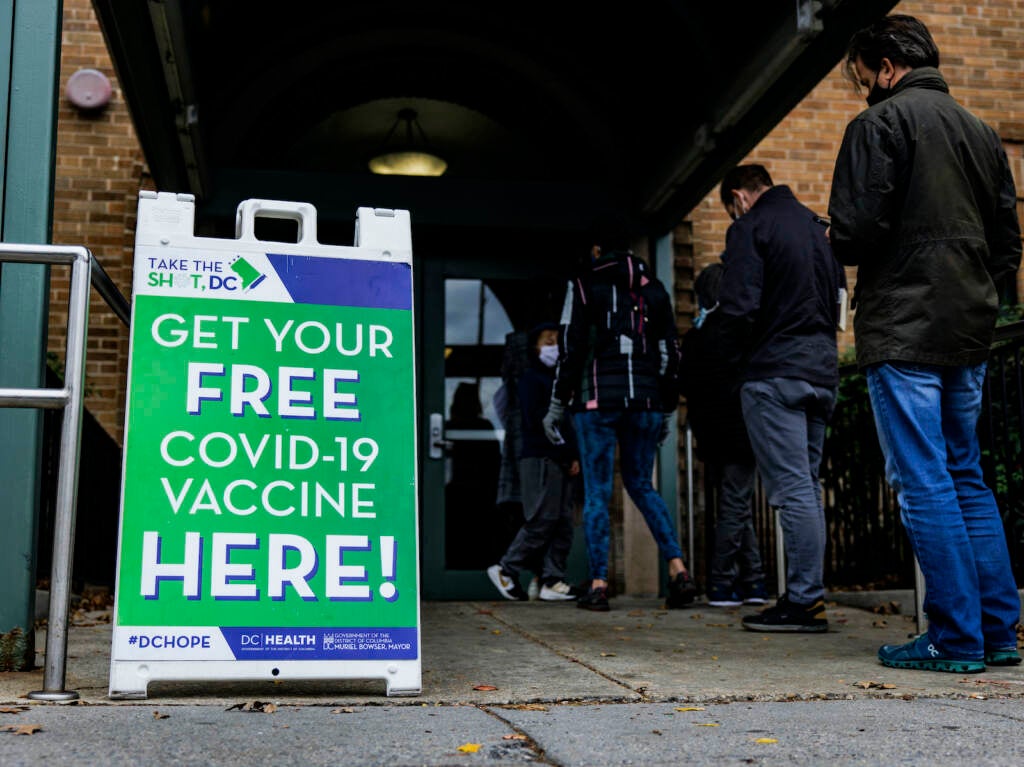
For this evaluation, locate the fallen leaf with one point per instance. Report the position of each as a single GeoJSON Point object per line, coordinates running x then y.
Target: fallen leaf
{"type": "Point", "coordinates": [718, 625]}
{"type": "Point", "coordinates": [618, 628]}
{"type": "Point", "coordinates": [879, 624]}
{"type": "Point", "coordinates": [635, 613]}
{"type": "Point", "coordinates": [714, 657]}
{"type": "Point", "coordinates": [13, 709]}
{"type": "Point", "coordinates": [707, 724]}
{"type": "Point", "coordinates": [514, 736]}
{"type": "Point", "coordinates": [343, 710]}
{"type": "Point", "coordinates": [24, 729]}
{"type": "Point", "coordinates": [484, 612]}
{"type": "Point", "coordinates": [696, 617]}
{"type": "Point", "coordinates": [528, 707]}
{"type": "Point", "coordinates": [496, 631]}
{"type": "Point", "coordinates": [976, 696]}
{"type": "Point", "coordinates": [655, 732]}
{"type": "Point", "coordinates": [256, 705]}
{"type": "Point", "coordinates": [158, 715]}
{"type": "Point", "coordinates": [690, 708]}
{"type": "Point", "coordinates": [469, 748]}
{"type": "Point", "coordinates": [485, 687]}
{"type": "Point", "coordinates": [607, 655]}
{"type": "Point", "coordinates": [871, 685]}
{"type": "Point", "coordinates": [766, 740]}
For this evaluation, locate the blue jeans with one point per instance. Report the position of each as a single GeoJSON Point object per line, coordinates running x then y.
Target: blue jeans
{"type": "Point", "coordinates": [786, 420]}
{"type": "Point", "coordinates": [636, 433]}
{"type": "Point", "coordinates": [927, 418]}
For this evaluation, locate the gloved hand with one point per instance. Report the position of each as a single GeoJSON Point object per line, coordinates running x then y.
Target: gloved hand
{"type": "Point", "coordinates": [551, 420]}
{"type": "Point", "coordinates": [666, 428]}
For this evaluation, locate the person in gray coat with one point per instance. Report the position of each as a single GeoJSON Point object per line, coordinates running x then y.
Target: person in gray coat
{"type": "Point", "coordinates": [924, 205]}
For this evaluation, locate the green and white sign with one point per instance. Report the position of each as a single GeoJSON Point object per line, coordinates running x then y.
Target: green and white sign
{"type": "Point", "coordinates": [268, 520]}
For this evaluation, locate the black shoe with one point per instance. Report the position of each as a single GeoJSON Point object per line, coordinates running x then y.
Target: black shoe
{"type": "Point", "coordinates": [595, 599]}
{"type": "Point", "coordinates": [789, 616]}
{"type": "Point", "coordinates": [681, 591]}
{"type": "Point", "coordinates": [507, 585]}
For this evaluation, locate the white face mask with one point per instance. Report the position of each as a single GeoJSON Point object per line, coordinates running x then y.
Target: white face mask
{"type": "Point", "coordinates": [549, 355]}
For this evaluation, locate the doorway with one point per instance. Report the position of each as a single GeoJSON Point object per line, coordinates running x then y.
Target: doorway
{"type": "Point", "coordinates": [474, 313]}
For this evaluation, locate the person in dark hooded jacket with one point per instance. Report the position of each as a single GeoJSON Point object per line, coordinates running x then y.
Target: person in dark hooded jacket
{"type": "Point", "coordinates": [716, 415]}
{"type": "Point", "coordinates": [547, 473]}
{"type": "Point", "coordinates": [924, 205]}
{"type": "Point", "coordinates": [617, 371]}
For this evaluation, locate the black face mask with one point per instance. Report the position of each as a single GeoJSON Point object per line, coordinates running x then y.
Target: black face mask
{"type": "Point", "coordinates": [878, 94]}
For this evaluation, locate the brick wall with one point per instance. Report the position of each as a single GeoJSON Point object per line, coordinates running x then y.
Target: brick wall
{"type": "Point", "coordinates": [99, 171]}
{"type": "Point", "coordinates": [982, 57]}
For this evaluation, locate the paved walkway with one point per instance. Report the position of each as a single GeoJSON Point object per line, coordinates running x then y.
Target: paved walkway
{"type": "Point", "coordinates": [638, 685]}
{"type": "Point", "coordinates": [548, 652]}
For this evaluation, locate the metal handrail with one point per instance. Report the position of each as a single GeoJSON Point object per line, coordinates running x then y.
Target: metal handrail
{"type": "Point", "coordinates": [69, 398]}
{"type": "Point", "coordinates": [110, 293]}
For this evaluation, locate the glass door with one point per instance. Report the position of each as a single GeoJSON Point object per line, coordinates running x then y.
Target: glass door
{"type": "Point", "coordinates": [474, 319]}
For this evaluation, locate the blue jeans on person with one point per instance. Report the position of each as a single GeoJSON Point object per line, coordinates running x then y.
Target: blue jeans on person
{"type": "Point", "coordinates": [786, 420]}
{"type": "Point", "coordinates": [637, 434]}
{"type": "Point", "coordinates": [927, 419]}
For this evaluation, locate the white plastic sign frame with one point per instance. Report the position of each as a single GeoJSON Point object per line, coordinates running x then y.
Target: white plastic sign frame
{"type": "Point", "coordinates": [269, 521]}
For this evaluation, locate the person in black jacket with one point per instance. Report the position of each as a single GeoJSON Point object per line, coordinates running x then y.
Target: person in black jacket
{"type": "Point", "coordinates": [546, 475]}
{"type": "Point", "coordinates": [617, 370]}
{"type": "Point", "coordinates": [713, 407]}
{"type": "Point", "coordinates": [923, 204]}
{"type": "Point", "coordinates": [779, 310]}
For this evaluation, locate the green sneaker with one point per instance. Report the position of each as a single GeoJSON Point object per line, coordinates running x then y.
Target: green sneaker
{"type": "Point", "coordinates": [1004, 656]}
{"type": "Point", "coordinates": [922, 655]}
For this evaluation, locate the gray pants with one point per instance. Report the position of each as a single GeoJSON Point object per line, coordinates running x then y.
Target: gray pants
{"type": "Point", "coordinates": [786, 420]}
{"type": "Point", "coordinates": [546, 535]}
{"type": "Point", "coordinates": [737, 559]}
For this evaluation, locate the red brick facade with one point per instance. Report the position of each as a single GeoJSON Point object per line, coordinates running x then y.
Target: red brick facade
{"type": "Point", "coordinates": [100, 167]}
{"type": "Point", "coordinates": [99, 171]}
{"type": "Point", "coordinates": [982, 57]}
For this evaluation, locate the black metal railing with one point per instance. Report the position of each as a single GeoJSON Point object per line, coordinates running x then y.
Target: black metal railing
{"type": "Point", "coordinates": [866, 545]}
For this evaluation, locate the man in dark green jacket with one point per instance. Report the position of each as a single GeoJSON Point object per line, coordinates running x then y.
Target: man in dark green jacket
{"type": "Point", "coordinates": [923, 204]}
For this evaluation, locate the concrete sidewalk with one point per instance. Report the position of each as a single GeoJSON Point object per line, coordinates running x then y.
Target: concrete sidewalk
{"type": "Point", "coordinates": [636, 686]}
{"type": "Point", "coordinates": [540, 652]}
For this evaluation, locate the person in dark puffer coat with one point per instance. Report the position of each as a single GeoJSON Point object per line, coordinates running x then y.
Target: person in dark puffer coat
{"type": "Point", "coordinates": [617, 371]}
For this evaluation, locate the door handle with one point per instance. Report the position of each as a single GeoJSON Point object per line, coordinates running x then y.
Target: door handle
{"type": "Point", "coordinates": [437, 444]}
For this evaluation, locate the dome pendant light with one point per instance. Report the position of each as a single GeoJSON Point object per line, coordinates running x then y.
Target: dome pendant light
{"type": "Point", "coordinates": [408, 153]}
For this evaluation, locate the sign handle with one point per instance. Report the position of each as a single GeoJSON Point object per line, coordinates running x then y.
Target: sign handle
{"type": "Point", "coordinates": [302, 213]}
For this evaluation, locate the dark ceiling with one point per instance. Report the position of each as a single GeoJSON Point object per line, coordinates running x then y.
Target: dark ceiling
{"type": "Point", "coordinates": [548, 113]}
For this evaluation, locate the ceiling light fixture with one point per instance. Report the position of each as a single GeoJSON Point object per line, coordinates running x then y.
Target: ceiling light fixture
{"type": "Point", "coordinates": [407, 153]}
